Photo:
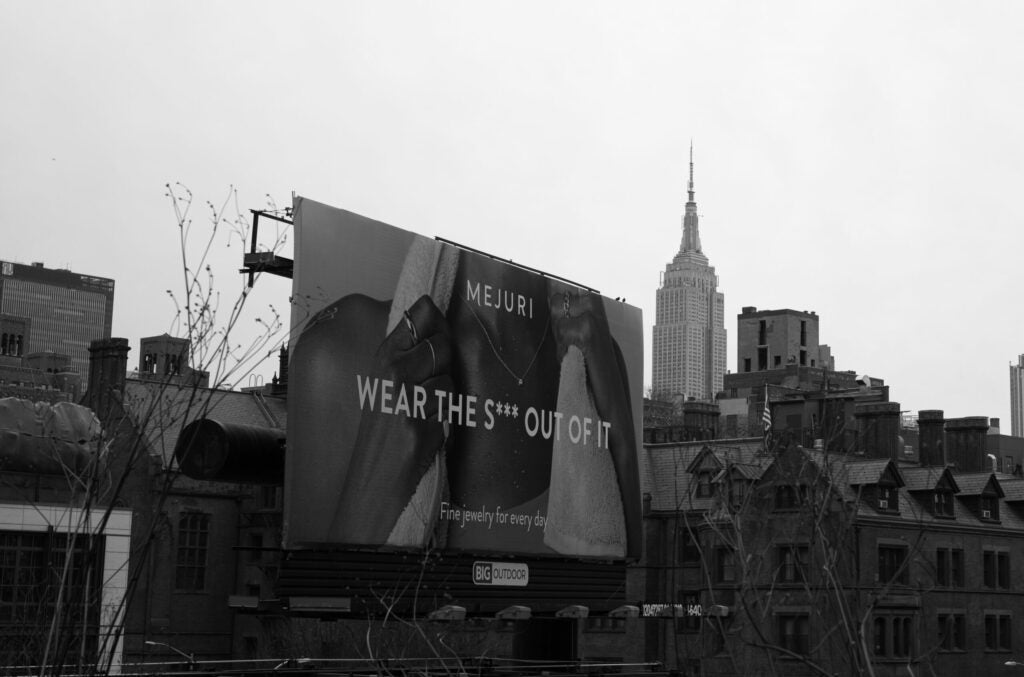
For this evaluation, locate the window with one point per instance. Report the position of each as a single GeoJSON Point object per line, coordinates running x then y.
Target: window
{"type": "Point", "coordinates": [888, 500]}
{"type": "Point", "coordinates": [942, 503]}
{"type": "Point", "coordinates": [746, 364]}
{"type": "Point", "coordinates": [762, 359]}
{"type": "Point", "coordinates": [949, 567]}
{"type": "Point", "coordinates": [777, 361]}
{"type": "Point", "coordinates": [951, 632]}
{"type": "Point", "coordinates": [193, 536]}
{"type": "Point", "coordinates": [794, 632]}
{"type": "Point", "coordinates": [891, 559]}
{"type": "Point", "coordinates": [997, 632]}
{"type": "Point", "coordinates": [36, 567]}
{"type": "Point", "coordinates": [995, 566]}
{"type": "Point", "coordinates": [704, 487]}
{"type": "Point", "coordinates": [737, 493]}
{"type": "Point", "coordinates": [792, 567]}
{"type": "Point", "coordinates": [893, 636]}
{"type": "Point", "coordinates": [990, 508]}
{"type": "Point", "coordinates": [688, 549]}
{"type": "Point", "coordinates": [881, 636]}
{"type": "Point", "coordinates": [803, 332]}
{"type": "Point", "coordinates": [726, 565]}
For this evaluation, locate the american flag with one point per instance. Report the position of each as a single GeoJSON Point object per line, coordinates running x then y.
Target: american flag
{"type": "Point", "coordinates": [766, 418]}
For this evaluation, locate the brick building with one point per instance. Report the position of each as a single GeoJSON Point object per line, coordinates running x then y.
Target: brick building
{"type": "Point", "coordinates": [196, 544]}
{"type": "Point", "coordinates": [804, 561]}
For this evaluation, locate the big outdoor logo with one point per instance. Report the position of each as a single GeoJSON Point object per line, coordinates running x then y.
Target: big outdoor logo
{"type": "Point", "coordinates": [501, 573]}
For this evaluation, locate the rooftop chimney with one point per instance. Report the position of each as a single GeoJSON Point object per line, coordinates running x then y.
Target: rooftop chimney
{"type": "Point", "coordinates": [931, 436]}
{"type": "Point", "coordinates": [108, 366]}
{"type": "Point", "coordinates": [965, 443]}
{"type": "Point", "coordinates": [878, 429]}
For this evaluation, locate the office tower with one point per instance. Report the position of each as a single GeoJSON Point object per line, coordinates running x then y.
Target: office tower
{"type": "Point", "coordinates": [63, 311]}
{"type": "Point", "coordinates": [776, 339]}
{"type": "Point", "coordinates": [688, 356]}
{"type": "Point", "coordinates": [1017, 398]}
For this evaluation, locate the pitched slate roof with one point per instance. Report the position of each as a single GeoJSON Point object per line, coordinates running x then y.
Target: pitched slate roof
{"type": "Point", "coordinates": [927, 478]}
{"type": "Point", "coordinates": [973, 484]}
{"type": "Point", "coordinates": [1013, 489]}
{"type": "Point", "coordinates": [667, 469]}
{"type": "Point", "coordinates": [861, 472]}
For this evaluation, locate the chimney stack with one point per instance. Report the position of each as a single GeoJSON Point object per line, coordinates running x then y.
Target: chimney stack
{"type": "Point", "coordinates": [965, 443]}
{"type": "Point", "coordinates": [108, 367]}
{"type": "Point", "coordinates": [878, 429]}
{"type": "Point", "coordinates": [931, 437]}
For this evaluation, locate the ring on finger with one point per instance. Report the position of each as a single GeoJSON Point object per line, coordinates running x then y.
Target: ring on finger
{"type": "Point", "coordinates": [411, 327]}
{"type": "Point", "coordinates": [433, 358]}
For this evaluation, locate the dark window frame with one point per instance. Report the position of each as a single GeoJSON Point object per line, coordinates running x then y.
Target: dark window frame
{"type": "Point", "coordinates": [792, 562]}
{"type": "Point", "coordinates": [952, 631]}
{"type": "Point", "coordinates": [892, 564]}
{"type": "Point", "coordinates": [794, 632]}
{"type": "Point", "coordinates": [890, 495]}
{"type": "Point", "coordinates": [893, 636]}
{"type": "Point", "coordinates": [990, 504]}
{"type": "Point", "coordinates": [687, 547]}
{"type": "Point", "coordinates": [949, 567]}
{"type": "Point", "coordinates": [995, 565]}
{"type": "Point", "coordinates": [998, 632]}
{"type": "Point", "coordinates": [725, 565]}
{"type": "Point", "coordinates": [943, 504]}
{"type": "Point", "coordinates": [192, 553]}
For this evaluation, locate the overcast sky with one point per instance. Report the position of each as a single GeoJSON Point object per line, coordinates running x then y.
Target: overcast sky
{"type": "Point", "coordinates": [861, 160]}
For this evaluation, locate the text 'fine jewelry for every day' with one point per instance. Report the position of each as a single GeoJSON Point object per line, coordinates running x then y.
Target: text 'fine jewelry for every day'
{"type": "Point", "coordinates": [517, 377]}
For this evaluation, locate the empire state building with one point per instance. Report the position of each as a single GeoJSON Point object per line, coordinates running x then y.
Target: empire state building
{"type": "Point", "coordinates": [688, 355]}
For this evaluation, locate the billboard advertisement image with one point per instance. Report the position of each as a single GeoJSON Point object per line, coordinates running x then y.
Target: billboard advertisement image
{"type": "Point", "coordinates": [442, 398]}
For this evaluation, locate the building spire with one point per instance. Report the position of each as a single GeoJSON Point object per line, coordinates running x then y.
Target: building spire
{"type": "Point", "coordinates": [690, 186]}
{"type": "Point", "coordinates": [691, 233]}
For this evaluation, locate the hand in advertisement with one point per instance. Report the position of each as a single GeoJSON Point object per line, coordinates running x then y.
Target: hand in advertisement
{"type": "Point", "coordinates": [393, 450]}
{"type": "Point", "coordinates": [578, 318]}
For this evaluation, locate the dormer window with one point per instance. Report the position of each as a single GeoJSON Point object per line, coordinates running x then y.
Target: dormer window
{"type": "Point", "coordinates": [704, 486]}
{"type": "Point", "coordinates": [888, 499]}
{"type": "Point", "coordinates": [989, 508]}
{"type": "Point", "coordinates": [737, 493]}
{"type": "Point", "coordinates": [942, 503]}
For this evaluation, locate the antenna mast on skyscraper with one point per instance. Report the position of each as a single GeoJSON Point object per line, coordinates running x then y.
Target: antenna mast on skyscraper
{"type": "Point", "coordinates": [690, 186]}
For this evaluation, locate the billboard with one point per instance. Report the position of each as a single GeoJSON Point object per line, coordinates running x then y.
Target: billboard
{"type": "Point", "coordinates": [441, 398]}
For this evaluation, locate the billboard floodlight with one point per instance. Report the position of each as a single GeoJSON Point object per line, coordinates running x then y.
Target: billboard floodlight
{"type": "Point", "coordinates": [573, 611]}
{"type": "Point", "coordinates": [625, 611]}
